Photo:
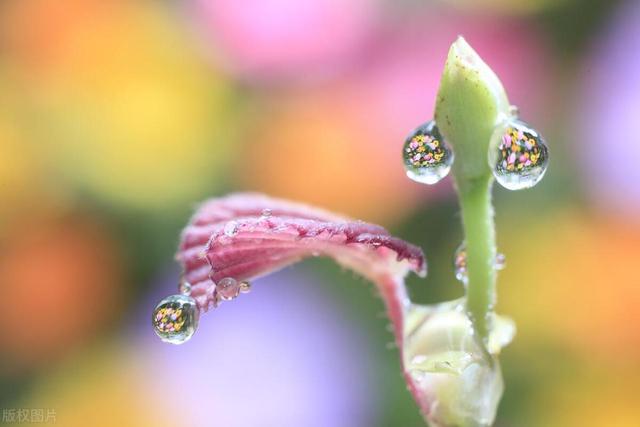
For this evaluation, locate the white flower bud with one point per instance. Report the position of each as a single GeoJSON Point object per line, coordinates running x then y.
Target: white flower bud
{"type": "Point", "coordinates": [459, 384]}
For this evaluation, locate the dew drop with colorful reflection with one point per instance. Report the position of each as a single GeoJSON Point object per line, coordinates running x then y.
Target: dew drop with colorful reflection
{"type": "Point", "coordinates": [460, 263]}
{"type": "Point", "coordinates": [175, 319]}
{"type": "Point", "coordinates": [245, 287]}
{"type": "Point", "coordinates": [427, 156]}
{"type": "Point", "coordinates": [518, 155]}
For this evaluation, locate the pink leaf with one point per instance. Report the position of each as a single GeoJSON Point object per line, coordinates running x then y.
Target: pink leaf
{"type": "Point", "coordinates": [248, 235]}
{"type": "Point", "coordinates": [244, 236]}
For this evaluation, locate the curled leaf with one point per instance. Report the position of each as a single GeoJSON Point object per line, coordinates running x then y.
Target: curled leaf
{"type": "Point", "coordinates": [249, 235]}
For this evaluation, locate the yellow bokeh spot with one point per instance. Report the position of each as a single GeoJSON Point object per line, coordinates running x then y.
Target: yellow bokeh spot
{"type": "Point", "coordinates": [128, 109]}
{"type": "Point", "coordinates": [100, 388]}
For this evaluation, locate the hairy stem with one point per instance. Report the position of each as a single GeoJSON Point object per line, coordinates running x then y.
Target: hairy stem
{"type": "Point", "coordinates": [471, 102]}
{"type": "Point", "coordinates": [479, 230]}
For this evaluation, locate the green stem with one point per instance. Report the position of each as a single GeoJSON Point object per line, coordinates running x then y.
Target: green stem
{"type": "Point", "coordinates": [471, 102]}
{"type": "Point", "coordinates": [480, 236]}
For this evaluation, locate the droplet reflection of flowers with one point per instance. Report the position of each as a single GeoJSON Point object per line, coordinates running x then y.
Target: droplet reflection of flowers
{"type": "Point", "coordinates": [448, 350]}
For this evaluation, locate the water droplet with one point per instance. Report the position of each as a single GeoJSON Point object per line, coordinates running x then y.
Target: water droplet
{"type": "Point", "coordinates": [231, 228]}
{"type": "Point", "coordinates": [418, 359]}
{"type": "Point", "coordinates": [460, 263]}
{"type": "Point", "coordinates": [175, 319]}
{"type": "Point", "coordinates": [228, 288]}
{"type": "Point", "coordinates": [427, 156]}
{"type": "Point", "coordinates": [185, 287]}
{"type": "Point", "coordinates": [518, 155]}
{"type": "Point", "coordinates": [245, 287]}
{"type": "Point", "coordinates": [418, 375]}
{"type": "Point", "coordinates": [266, 213]}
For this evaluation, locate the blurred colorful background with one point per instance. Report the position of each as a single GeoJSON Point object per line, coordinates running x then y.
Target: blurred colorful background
{"type": "Point", "coordinates": [117, 117]}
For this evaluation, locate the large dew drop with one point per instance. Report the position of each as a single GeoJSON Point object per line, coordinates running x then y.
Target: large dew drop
{"type": "Point", "coordinates": [175, 319]}
{"type": "Point", "coordinates": [518, 155]}
{"type": "Point", "coordinates": [427, 156]}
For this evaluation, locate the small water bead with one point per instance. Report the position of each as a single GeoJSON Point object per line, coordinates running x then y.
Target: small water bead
{"type": "Point", "coordinates": [427, 156]}
{"type": "Point", "coordinates": [518, 155]}
{"type": "Point", "coordinates": [266, 213]}
{"type": "Point", "coordinates": [460, 263]}
{"type": "Point", "coordinates": [419, 359]}
{"type": "Point", "coordinates": [228, 288]}
{"type": "Point", "coordinates": [418, 375]}
{"type": "Point", "coordinates": [185, 288]}
{"type": "Point", "coordinates": [245, 287]}
{"type": "Point", "coordinates": [175, 319]}
{"type": "Point", "coordinates": [231, 229]}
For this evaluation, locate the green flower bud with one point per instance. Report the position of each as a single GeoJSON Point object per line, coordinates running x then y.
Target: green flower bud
{"type": "Point", "coordinates": [471, 102]}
